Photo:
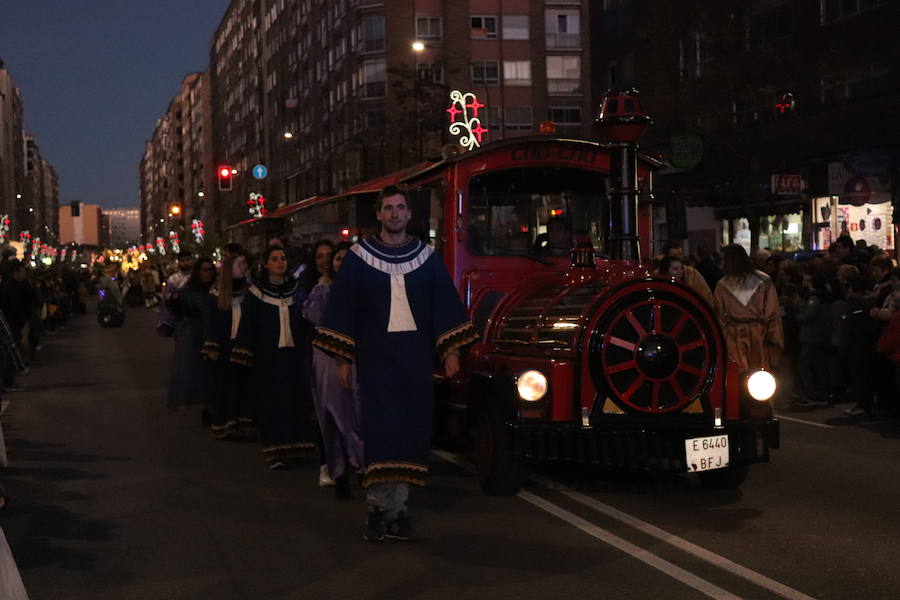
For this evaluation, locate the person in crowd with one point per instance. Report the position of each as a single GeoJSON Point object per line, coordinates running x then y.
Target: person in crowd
{"type": "Point", "coordinates": [880, 268]}
{"type": "Point", "coordinates": [273, 339]}
{"type": "Point", "coordinates": [166, 325]}
{"type": "Point", "coordinates": [149, 282]}
{"type": "Point", "coordinates": [674, 267]}
{"type": "Point", "coordinates": [816, 323]}
{"type": "Point", "coordinates": [336, 407]}
{"type": "Point", "coordinates": [17, 301]}
{"type": "Point", "coordinates": [844, 250]}
{"type": "Point", "coordinates": [692, 276]}
{"type": "Point", "coordinates": [393, 309]}
{"type": "Point", "coordinates": [747, 305]}
{"type": "Point", "coordinates": [888, 346]}
{"type": "Point", "coordinates": [190, 381]}
{"type": "Point", "coordinates": [231, 405]}
{"type": "Point", "coordinates": [707, 263]}
{"type": "Point", "coordinates": [858, 334]}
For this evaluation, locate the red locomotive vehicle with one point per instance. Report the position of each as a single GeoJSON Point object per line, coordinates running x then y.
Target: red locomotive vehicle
{"type": "Point", "coordinates": [584, 356]}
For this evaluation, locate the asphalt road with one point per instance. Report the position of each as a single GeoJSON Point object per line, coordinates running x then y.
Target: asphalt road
{"type": "Point", "coordinates": [115, 498]}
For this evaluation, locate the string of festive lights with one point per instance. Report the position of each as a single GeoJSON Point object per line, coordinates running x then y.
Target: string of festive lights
{"type": "Point", "coordinates": [465, 106]}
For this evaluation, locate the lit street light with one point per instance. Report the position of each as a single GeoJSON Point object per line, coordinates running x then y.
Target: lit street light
{"type": "Point", "coordinates": [288, 135]}
{"type": "Point", "coordinates": [201, 194]}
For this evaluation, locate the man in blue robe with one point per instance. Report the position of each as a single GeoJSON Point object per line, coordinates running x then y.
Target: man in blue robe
{"type": "Point", "coordinates": [393, 309]}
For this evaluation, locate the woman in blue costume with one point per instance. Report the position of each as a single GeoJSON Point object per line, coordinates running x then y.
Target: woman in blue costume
{"type": "Point", "coordinates": [191, 306]}
{"type": "Point", "coordinates": [273, 338]}
{"type": "Point", "coordinates": [336, 407]}
{"type": "Point", "coordinates": [230, 403]}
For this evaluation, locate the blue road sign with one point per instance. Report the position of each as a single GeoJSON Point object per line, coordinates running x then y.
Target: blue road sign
{"type": "Point", "coordinates": [260, 171]}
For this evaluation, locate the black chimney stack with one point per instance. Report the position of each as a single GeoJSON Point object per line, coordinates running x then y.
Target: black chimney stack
{"type": "Point", "coordinates": [622, 122]}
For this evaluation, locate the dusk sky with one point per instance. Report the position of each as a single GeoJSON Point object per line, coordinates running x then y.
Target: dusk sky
{"type": "Point", "coordinates": [95, 75]}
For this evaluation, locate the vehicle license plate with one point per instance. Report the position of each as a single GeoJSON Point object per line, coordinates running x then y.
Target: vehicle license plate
{"type": "Point", "coordinates": [706, 453]}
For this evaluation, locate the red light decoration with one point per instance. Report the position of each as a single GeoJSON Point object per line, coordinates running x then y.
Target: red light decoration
{"type": "Point", "coordinates": [345, 233]}
{"type": "Point", "coordinates": [556, 212]}
{"type": "Point", "coordinates": [464, 120]}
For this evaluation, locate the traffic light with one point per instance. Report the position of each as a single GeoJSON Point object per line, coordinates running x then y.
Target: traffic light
{"type": "Point", "coordinates": [225, 173]}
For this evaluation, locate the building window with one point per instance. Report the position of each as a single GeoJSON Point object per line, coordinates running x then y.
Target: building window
{"type": "Point", "coordinates": [484, 27]}
{"type": "Point", "coordinates": [485, 72]}
{"type": "Point", "coordinates": [515, 27]}
{"type": "Point", "coordinates": [518, 118]}
{"type": "Point", "coordinates": [491, 118]}
{"type": "Point", "coordinates": [432, 73]}
{"type": "Point", "coordinates": [371, 33]}
{"type": "Point", "coordinates": [372, 78]}
{"type": "Point", "coordinates": [517, 72]}
{"type": "Point", "coordinates": [565, 115]}
{"type": "Point", "coordinates": [766, 27]}
{"type": "Point", "coordinates": [428, 28]}
{"type": "Point", "coordinates": [563, 29]}
{"type": "Point", "coordinates": [838, 9]}
{"type": "Point", "coordinates": [564, 75]}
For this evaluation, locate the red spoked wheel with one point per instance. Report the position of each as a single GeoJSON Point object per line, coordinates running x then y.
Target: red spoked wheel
{"type": "Point", "coordinates": [655, 354]}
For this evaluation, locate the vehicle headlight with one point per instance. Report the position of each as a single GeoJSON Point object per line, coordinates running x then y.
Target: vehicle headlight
{"type": "Point", "coordinates": [761, 385]}
{"type": "Point", "coordinates": [531, 386]}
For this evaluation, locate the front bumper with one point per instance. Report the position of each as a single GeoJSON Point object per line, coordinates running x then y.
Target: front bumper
{"type": "Point", "coordinates": [639, 447]}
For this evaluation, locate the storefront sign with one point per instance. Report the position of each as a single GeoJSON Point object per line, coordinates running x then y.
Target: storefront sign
{"type": "Point", "coordinates": [687, 151]}
{"type": "Point", "coordinates": [787, 184]}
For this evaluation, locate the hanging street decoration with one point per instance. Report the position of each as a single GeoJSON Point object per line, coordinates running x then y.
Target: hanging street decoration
{"type": "Point", "coordinates": [257, 204]}
{"type": "Point", "coordinates": [25, 238]}
{"type": "Point", "coordinates": [161, 245]}
{"type": "Point", "coordinates": [174, 242]}
{"type": "Point", "coordinates": [62, 254]}
{"type": "Point", "coordinates": [197, 229]}
{"type": "Point", "coordinates": [35, 246]}
{"type": "Point", "coordinates": [4, 228]}
{"type": "Point", "coordinates": [464, 120]}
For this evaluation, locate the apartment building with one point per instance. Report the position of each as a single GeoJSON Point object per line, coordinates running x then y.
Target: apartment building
{"type": "Point", "coordinates": [177, 169]}
{"type": "Point", "coordinates": [326, 94]}
{"type": "Point", "coordinates": [778, 117]}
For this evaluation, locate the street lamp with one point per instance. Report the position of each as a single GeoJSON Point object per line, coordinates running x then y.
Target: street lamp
{"type": "Point", "coordinates": [201, 194]}
{"type": "Point", "coordinates": [288, 135]}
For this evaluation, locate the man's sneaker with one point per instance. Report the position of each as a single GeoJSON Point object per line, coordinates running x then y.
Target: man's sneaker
{"type": "Point", "coordinates": [400, 528]}
{"type": "Point", "coordinates": [325, 479]}
{"type": "Point", "coordinates": [375, 524]}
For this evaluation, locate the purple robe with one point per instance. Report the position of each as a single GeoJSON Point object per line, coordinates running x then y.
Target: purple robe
{"type": "Point", "coordinates": [336, 408]}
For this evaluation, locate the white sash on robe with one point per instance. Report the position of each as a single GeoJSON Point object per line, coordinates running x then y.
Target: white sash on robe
{"type": "Point", "coordinates": [401, 317]}
{"type": "Point", "coordinates": [285, 337]}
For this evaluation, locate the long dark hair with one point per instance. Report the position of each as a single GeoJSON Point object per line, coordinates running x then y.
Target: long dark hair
{"type": "Point", "coordinates": [736, 262]}
{"type": "Point", "coordinates": [263, 277]}
{"type": "Point", "coordinates": [195, 272]}
{"type": "Point", "coordinates": [226, 279]}
{"type": "Point", "coordinates": [666, 262]}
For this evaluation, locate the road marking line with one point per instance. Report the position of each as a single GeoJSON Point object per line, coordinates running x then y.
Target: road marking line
{"type": "Point", "coordinates": [682, 544]}
{"type": "Point", "coordinates": [646, 557]}
{"type": "Point", "coordinates": [805, 422]}
{"type": "Point", "coordinates": [673, 571]}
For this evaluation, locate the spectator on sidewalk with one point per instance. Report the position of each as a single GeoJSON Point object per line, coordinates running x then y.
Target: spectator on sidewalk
{"type": "Point", "coordinates": [18, 302]}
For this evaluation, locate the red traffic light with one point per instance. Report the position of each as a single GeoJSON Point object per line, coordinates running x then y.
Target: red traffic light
{"type": "Point", "coordinates": [225, 173]}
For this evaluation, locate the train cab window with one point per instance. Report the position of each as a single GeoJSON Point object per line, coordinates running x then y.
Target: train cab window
{"type": "Point", "coordinates": [427, 205]}
{"type": "Point", "coordinates": [535, 211]}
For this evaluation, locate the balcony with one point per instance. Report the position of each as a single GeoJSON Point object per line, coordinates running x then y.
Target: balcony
{"type": "Point", "coordinates": [563, 41]}
{"type": "Point", "coordinates": [370, 45]}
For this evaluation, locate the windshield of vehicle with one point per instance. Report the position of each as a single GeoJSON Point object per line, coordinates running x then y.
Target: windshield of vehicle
{"type": "Point", "coordinates": [535, 211]}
